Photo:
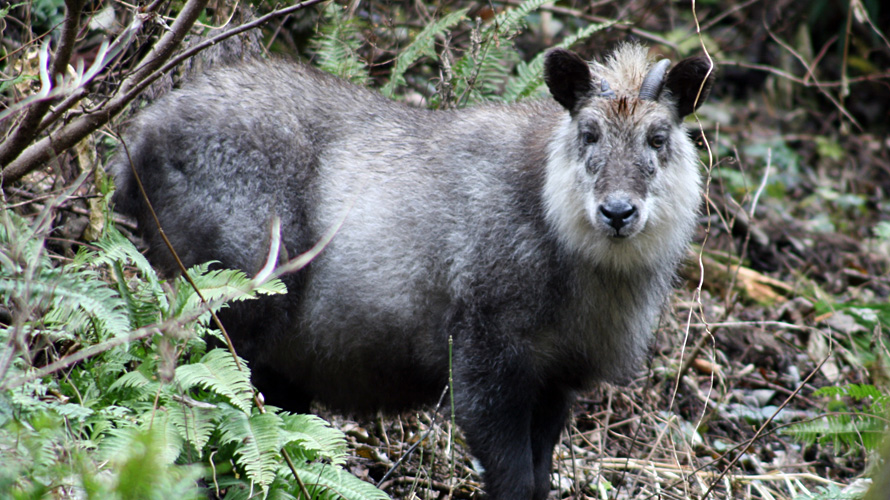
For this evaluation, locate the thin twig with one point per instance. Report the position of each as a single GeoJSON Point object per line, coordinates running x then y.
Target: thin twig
{"type": "Point", "coordinates": [26, 129]}
{"type": "Point", "coordinates": [765, 424]}
{"type": "Point", "coordinates": [844, 81]}
{"type": "Point", "coordinates": [152, 68]}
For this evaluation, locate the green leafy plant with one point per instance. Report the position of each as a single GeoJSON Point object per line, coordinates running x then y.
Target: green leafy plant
{"type": "Point", "coordinates": [422, 45]}
{"type": "Point", "coordinates": [109, 388]}
{"type": "Point", "coordinates": [847, 427]}
{"type": "Point", "coordinates": [492, 70]}
{"type": "Point", "coordinates": [337, 46]}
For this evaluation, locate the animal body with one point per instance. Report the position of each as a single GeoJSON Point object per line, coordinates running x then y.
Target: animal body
{"type": "Point", "coordinates": [541, 237]}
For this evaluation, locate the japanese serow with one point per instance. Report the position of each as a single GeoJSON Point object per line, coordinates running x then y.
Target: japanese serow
{"type": "Point", "coordinates": [542, 237]}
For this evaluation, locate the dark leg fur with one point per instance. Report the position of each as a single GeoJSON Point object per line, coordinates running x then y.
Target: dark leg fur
{"type": "Point", "coordinates": [494, 406]}
{"type": "Point", "coordinates": [548, 419]}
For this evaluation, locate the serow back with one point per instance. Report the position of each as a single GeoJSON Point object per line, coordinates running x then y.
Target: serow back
{"type": "Point", "coordinates": [541, 237]}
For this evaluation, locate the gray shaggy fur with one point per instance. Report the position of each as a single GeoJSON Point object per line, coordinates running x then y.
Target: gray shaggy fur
{"type": "Point", "coordinates": [542, 237]}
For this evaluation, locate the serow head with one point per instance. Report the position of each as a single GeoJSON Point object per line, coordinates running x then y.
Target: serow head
{"type": "Point", "coordinates": [622, 156]}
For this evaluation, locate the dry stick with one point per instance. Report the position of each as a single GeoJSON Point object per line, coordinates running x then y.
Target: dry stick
{"type": "Point", "coordinates": [844, 81]}
{"type": "Point", "coordinates": [414, 446]}
{"type": "Point", "coordinates": [801, 81]}
{"type": "Point", "coordinates": [48, 147]}
{"type": "Point", "coordinates": [75, 95]}
{"type": "Point", "coordinates": [26, 129]}
{"type": "Point", "coordinates": [709, 334]}
{"type": "Point", "coordinates": [142, 77]}
{"type": "Point", "coordinates": [729, 307]}
{"type": "Point", "coordinates": [723, 15]}
{"type": "Point", "coordinates": [700, 343]}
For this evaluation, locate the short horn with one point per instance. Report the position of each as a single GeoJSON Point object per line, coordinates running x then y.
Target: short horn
{"type": "Point", "coordinates": [606, 90]}
{"type": "Point", "coordinates": [651, 86]}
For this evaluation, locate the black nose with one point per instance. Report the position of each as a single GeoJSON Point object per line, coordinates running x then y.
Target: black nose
{"type": "Point", "coordinates": [618, 213]}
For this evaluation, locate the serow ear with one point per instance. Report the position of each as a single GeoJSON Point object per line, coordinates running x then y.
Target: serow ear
{"type": "Point", "coordinates": [567, 76]}
{"type": "Point", "coordinates": [684, 81]}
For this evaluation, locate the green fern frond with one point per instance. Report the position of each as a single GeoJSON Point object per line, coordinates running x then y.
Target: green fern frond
{"type": "Point", "coordinates": [147, 301]}
{"type": "Point", "coordinates": [157, 426]}
{"type": "Point", "coordinates": [485, 76]}
{"type": "Point", "coordinates": [478, 81]}
{"type": "Point", "coordinates": [217, 372]}
{"type": "Point", "coordinates": [195, 424]}
{"type": "Point", "coordinates": [511, 19]}
{"type": "Point", "coordinates": [142, 469]}
{"type": "Point", "coordinates": [32, 399]}
{"type": "Point", "coordinates": [166, 434]}
{"type": "Point", "coordinates": [76, 299]}
{"type": "Point", "coordinates": [855, 391]}
{"type": "Point", "coordinates": [216, 285]}
{"type": "Point", "coordinates": [313, 438]}
{"type": "Point", "coordinates": [116, 248]}
{"type": "Point", "coordinates": [530, 76]}
{"type": "Point", "coordinates": [851, 428]}
{"type": "Point", "coordinates": [329, 481]}
{"type": "Point", "coordinates": [224, 284]}
{"type": "Point", "coordinates": [841, 431]}
{"type": "Point", "coordinates": [23, 244]}
{"type": "Point", "coordinates": [117, 442]}
{"type": "Point", "coordinates": [336, 50]}
{"type": "Point", "coordinates": [423, 45]}
{"type": "Point", "coordinates": [142, 384]}
{"type": "Point", "coordinates": [257, 439]}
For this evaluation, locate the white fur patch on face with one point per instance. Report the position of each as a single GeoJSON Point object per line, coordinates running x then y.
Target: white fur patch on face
{"type": "Point", "coordinates": [666, 217]}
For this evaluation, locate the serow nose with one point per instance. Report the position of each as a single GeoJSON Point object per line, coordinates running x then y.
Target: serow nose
{"type": "Point", "coordinates": [618, 213]}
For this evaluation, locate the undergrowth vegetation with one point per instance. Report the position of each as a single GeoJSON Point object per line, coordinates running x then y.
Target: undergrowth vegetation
{"type": "Point", "coordinates": [116, 383]}
{"type": "Point", "coordinates": [131, 400]}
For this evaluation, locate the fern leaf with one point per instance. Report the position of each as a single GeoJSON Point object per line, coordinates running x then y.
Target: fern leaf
{"type": "Point", "coordinates": [117, 248]}
{"type": "Point", "coordinates": [855, 391]}
{"type": "Point", "coordinates": [166, 434]}
{"type": "Point", "coordinates": [280, 489]}
{"type": "Point", "coordinates": [136, 380]}
{"type": "Point", "coordinates": [481, 80]}
{"type": "Point", "coordinates": [422, 45]}
{"type": "Point", "coordinates": [511, 19]}
{"type": "Point", "coordinates": [195, 425]}
{"type": "Point", "coordinates": [157, 427]}
{"type": "Point", "coordinates": [329, 481]}
{"type": "Point", "coordinates": [257, 439]}
{"type": "Point", "coordinates": [220, 284]}
{"type": "Point", "coordinates": [78, 298]}
{"type": "Point", "coordinates": [141, 464]}
{"type": "Point", "coordinates": [841, 431]}
{"type": "Point", "coordinates": [314, 438]}
{"type": "Point", "coordinates": [147, 301]}
{"type": "Point", "coordinates": [217, 372]}
{"type": "Point", "coordinates": [336, 49]}
{"type": "Point", "coordinates": [530, 76]}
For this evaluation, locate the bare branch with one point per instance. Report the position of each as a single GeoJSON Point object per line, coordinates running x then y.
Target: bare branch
{"type": "Point", "coordinates": [149, 70]}
{"type": "Point", "coordinates": [22, 134]}
{"type": "Point", "coordinates": [49, 147]}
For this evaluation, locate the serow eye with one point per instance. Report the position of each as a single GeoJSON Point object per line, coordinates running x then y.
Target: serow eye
{"type": "Point", "coordinates": [657, 141]}
{"type": "Point", "coordinates": [590, 137]}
